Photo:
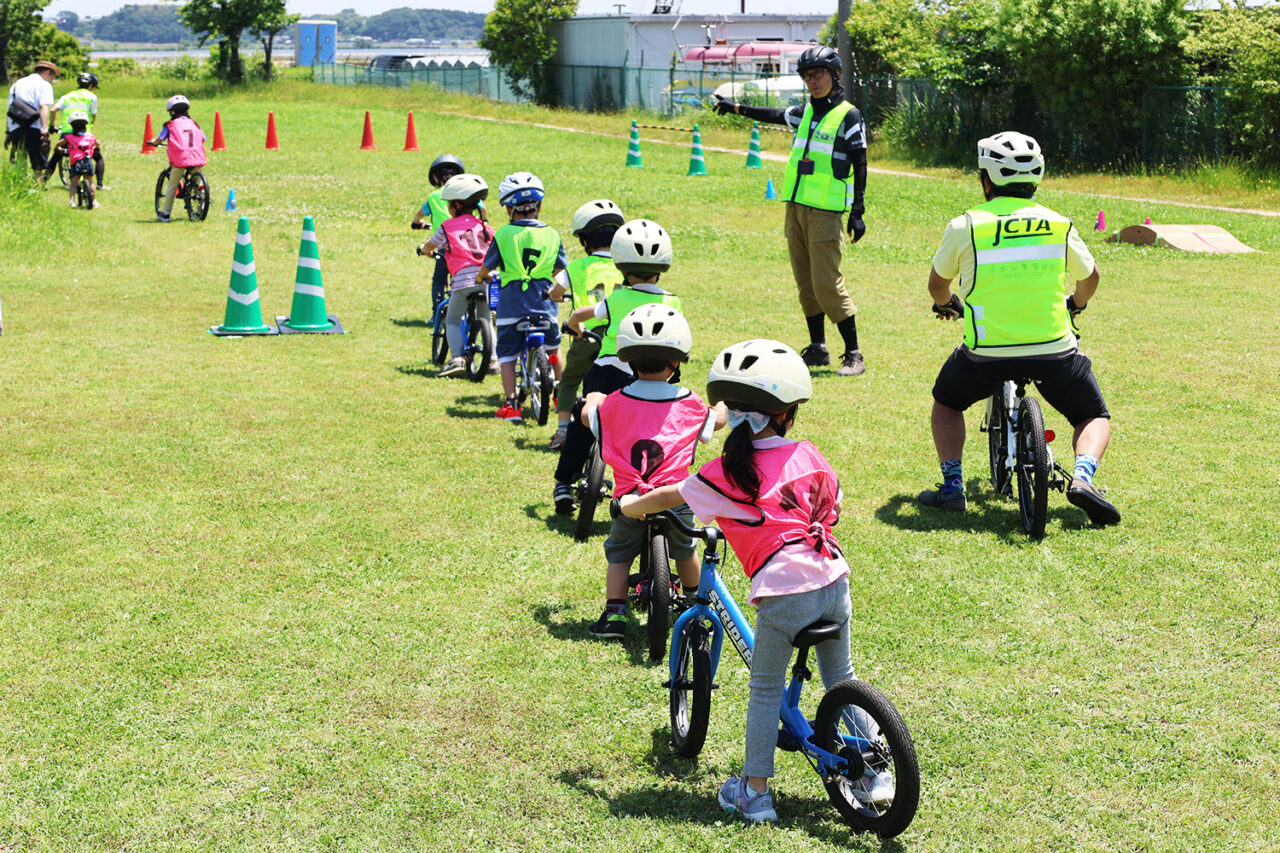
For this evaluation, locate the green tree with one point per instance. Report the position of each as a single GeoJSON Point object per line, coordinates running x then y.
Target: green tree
{"type": "Point", "coordinates": [274, 20]}
{"type": "Point", "coordinates": [226, 21]}
{"type": "Point", "coordinates": [18, 20]}
{"type": "Point", "coordinates": [67, 21]}
{"type": "Point", "coordinates": [517, 34]}
{"type": "Point", "coordinates": [151, 24]}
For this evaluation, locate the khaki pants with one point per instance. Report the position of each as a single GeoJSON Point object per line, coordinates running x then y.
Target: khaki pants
{"type": "Point", "coordinates": [815, 238]}
{"type": "Point", "coordinates": [582, 354]}
{"type": "Point", "coordinates": [176, 174]}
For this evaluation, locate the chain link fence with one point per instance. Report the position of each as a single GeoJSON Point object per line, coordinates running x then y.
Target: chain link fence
{"type": "Point", "coordinates": [1179, 125]}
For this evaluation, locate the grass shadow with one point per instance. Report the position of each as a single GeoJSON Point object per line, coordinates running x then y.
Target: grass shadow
{"type": "Point", "coordinates": [986, 511]}
{"type": "Point", "coordinates": [474, 406]}
{"type": "Point", "coordinates": [566, 524]}
{"type": "Point", "coordinates": [410, 322]}
{"type": "Point", "coordinates": [427, 371]}
{"type": "Point", "coordinates": [632, 645]}
{"type": "Point", "coordinates": [535, 444]}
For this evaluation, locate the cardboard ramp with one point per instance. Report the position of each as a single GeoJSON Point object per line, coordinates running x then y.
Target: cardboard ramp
{"type": "Point", "coordinates": [1188, 238]}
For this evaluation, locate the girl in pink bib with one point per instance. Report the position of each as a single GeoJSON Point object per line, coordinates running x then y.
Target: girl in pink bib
{"type": "Point", "coordinates": [185, 141]}
{"type": "Point", "coordinates": [776, 500]}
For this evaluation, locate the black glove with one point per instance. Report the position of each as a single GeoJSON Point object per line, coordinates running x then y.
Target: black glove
{"type": "Point", "coordinates": [418, 249]}
{"type": "Point", "coordinates": [856, 226]}
{"type": "Point", "coordinates": [417, 226]}
{"type": "Point", "coordinates": [1072, 308]}
{"type": "Point", "coordinates": [724, 106]}
{"type": "Point", "coordinates": [953, 310]}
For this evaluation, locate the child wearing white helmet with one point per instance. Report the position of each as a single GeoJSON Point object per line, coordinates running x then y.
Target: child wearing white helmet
{"type": "Point", "coordinates": [432, 214]}
{"type": "Point", "coordinates": [591, 279]}
{"type": "Point", "coordinates": [648, 433]}
{"type": "Point", "coordinates": [641, 250]}
{"type": "Point", "coordinates": [530, 254]}
{"type": "Point", "coordinates": [463, 240]}
{"type": "Point", "coordinates": [776, 500]}
{"type": "Point", "coordinates": [186, 148]}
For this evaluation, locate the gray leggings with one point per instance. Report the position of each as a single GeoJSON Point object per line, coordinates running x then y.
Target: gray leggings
{"type": "Point", "coordinates": [778, 620]}
{"type": "Point", "coordinates": [453, 317]}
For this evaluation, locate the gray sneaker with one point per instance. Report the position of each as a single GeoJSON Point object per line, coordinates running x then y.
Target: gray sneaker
{"type": "Point", "coordinates": [736, 796]}
{"type": "Point", "coordinates": [941, 498]}
{"type": "Point", "coordinates": [815, 355]}
{"type": "Point", "coordinates": [851, 364]}
{"type": "Point", "coordinates": [1092, 500]}
{"type": "Point", "coordinates": [454, 367]}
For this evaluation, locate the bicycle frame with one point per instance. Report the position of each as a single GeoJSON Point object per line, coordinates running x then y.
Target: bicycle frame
{"type": "Point", "coordinates": [1012, 393]}
{"type": "Point", "coordinates": [716, 605]}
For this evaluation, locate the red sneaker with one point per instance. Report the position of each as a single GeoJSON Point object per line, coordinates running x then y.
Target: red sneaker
{"type": "Point", "coordinates": [510, 413]}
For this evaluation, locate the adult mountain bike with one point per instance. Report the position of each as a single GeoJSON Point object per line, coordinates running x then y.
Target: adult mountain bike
{"type": "Point", "coordinates": [857, 744]}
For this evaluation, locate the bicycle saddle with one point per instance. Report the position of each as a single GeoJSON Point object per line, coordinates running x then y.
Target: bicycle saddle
{"type": "Point", "coordinates": [818, 632]}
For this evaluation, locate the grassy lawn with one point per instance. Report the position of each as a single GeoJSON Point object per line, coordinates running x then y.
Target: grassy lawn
{"type": "Point", "coordinates": [295, 593]}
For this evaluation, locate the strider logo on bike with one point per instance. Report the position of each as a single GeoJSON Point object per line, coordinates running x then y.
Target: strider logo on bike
{"type": "Point", "coordinates": [731, 628]}
{"type": "Point", "coordinates": [1016, 227]}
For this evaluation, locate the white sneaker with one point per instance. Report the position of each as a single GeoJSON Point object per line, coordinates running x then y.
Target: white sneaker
{"type": "Point", "coordinates": [875, 789]}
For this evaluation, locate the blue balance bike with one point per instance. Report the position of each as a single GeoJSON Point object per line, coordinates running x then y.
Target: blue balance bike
{"type": "Point", "coordinates": [535, 380]}
{"type": "Point", "coordinates": [858, 743]}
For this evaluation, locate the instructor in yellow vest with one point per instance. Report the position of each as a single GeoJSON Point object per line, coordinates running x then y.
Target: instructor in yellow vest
{"type": "Point", "coordinates": [1014, 258]}
{"type": "Point", "coordinates": [826, 175]}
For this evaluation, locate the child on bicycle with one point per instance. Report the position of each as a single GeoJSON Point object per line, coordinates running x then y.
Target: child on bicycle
{"type": "Point", "coordinates": [591, 279]}
{"type": "Point", "coordinates": [530, 254]}
{"type": "Point", "coordinates": [186, 148]}
{"type": "Point", "coordinates": [648, 433]}
{"type": "Point", "coordinates": [776, 500]}
{"type": "Point", "coordinates": [462, 239]}
{"type": "Point", "coordinates": [641, 250]}
{"type": "Point", "coordinates": [78, 146]}
{"type": "Point", "coordinates": [432, 214]}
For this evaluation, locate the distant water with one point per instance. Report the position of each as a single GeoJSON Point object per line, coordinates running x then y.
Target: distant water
{"type": "Point", "coordinates": [284, 54]}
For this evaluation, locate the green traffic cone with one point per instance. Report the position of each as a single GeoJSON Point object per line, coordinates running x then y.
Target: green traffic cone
{"type": "Point", "coordinates": [244, 314]}
{"type": "Point", "coordinates": [633, 147]}
{"type": "Point", "coordinates": [753, 152]}
{"type": "Point", "coordinates": [308, 312]}
{"type": "Point", "coordinates": [697, 162]}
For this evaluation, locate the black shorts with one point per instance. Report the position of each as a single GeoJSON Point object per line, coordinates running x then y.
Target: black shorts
{"type": "Point", "coordinates": [1067, 382]}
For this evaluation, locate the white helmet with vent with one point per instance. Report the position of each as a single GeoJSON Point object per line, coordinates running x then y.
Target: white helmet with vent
{"type": "Point", "coordinates": [654, 331]}
{"type": "Point", "coordinates": [176, 100]}
{"type": "Point", "coordinates": [595, 214]}
{"type": "Point", "coordinates": [1010, 157]}
{"type": "Point", "coordinates": [468, 188]}
{"type": "Point", "coordinates": [759, 376]}
{"type": "Point", "coordinates": [641, 247]}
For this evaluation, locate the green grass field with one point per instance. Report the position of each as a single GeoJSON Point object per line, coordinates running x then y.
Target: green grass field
{"type": "Point", "coordinates": [295, 593]}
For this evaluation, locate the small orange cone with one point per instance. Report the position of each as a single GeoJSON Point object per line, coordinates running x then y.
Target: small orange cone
{"type": "Point", "coordinates": [147, 135]}
{"type": "Point", "coordinates": [1101, 224]}
{"type": "Point", "coordinates": [219, 142]}
{"type": "Point", "coordinates": [366, 144]}
{"type": "Point", "coordinates": [410, 135]}
{"type": "Point", "coordinates": [273, 143]}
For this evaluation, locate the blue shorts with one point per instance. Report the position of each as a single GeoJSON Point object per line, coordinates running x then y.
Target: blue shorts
{"type": "Point", "coordinates": [511, 338]}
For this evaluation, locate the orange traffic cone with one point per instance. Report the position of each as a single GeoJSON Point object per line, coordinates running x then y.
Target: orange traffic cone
{"type": "Point", "coordinates": [219, 142]}
{"type": "Point", "coordinates": [410, 135]}
{"type": "Point", "coordinates": [147, 135]}
{"type": "Point", "coordinates": [366, 144]}
{"type": "Point", "coordinates": [273, 144]}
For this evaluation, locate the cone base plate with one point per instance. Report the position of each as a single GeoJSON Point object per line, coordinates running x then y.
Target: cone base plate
{"type": "Point", "coordinates": [335, 329]}
{"type": "Point", "coordinates": [223, 332]}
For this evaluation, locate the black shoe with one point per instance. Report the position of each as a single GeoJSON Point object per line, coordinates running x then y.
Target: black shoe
{"type": "Point", "coordinates": [1091, 499]}
{"type": "Point", "coordinates": [940, 498]}
{"type": "Point", "coordinates": [816, 355]}
{"type": "Point", "coordinates": [563, 496]}
{"type": "Point", "coordinates": [610, 626]}
{"type": "Point", "coordinates": [851, 364]}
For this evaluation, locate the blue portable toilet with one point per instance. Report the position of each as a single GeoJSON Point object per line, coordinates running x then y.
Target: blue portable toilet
{"type": "Point", "coordinates": [326, 41]}
{"type": "Point", "coordinates": [317, 41]}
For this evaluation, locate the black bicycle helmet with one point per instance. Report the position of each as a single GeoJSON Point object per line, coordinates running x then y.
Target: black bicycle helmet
{"type": "Point", "coordinates": [443, 168]}
{"type": "Point", "coordinates": [819, 56]}
{"type": "Point", "coordinates": [87, 79]}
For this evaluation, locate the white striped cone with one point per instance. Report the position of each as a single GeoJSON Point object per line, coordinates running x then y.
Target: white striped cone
{"type": "Point", "coordinates": [697, 162]}
{"type": "Point", "coordinates": [308, 311]}
{"type": "Point", "coordinates": [244, 314]}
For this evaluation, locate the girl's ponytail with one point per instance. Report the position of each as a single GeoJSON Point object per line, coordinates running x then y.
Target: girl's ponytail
{"type": "Point", "coordinates": [739, 461]}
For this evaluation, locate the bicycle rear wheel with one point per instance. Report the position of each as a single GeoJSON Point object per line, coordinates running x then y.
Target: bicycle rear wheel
{"type": "Point", "coordinates": [1033, 468]}
{"type": "Point", "coordinates": [997, 444]}
{"type": "Point", "coordinates": [857, 722]}
{"type": "Point", "coordinates": [195, 196]}
{"type": "Point", "coordinates": [62, 171]}
{"type": "Point", "coordinates": [659, 595]}
{"type": "Point", "coordinates": [590, 491]}
{"type": "Point", "coordinates": [691, 692]}
{"type": "Point", "coordinates": [546, 387]}
{"type": "Point", "coordinates": [439, 336]}
{"type": "Point", "coordinates": [84, 194]}
{"type": "Point", "coordinates": [479, 346]}
{"type": "Point", "coordinates": [160, 182]}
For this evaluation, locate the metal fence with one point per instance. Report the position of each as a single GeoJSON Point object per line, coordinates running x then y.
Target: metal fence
{"type": "Point", "coordinates": [1178, 125]}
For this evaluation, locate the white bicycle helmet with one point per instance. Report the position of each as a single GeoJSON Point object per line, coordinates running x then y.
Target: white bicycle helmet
{"type": "Point", "coordinates": [641, 247]}
{"type": "Point", "coordinates": [176, 100]}
{"type": "Point", "coordinates": [654, 331]}
{"type": "Point", "coordinates": [465, 188]}
{"type": "Point", "coordinates": [595, 214]}
{"type": "Point", "coordinates": [520, 189]}
{"type": "Point", "coordinates": [1010, 157]}
{"type": "Point", "coordinates": [77, 115]}
{"type": "Point", "coordinates": [759, 376]}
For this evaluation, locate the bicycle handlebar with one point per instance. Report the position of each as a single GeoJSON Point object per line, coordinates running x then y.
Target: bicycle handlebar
{"type": "Point", "coordinates": [585, 334]}
{"type": "Point", "coordinates": [708, 534]}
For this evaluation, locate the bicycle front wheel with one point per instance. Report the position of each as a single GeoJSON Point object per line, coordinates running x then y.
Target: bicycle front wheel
{"type": "Point", "coordinates": [691, 692]}
{"type": "Point", "coordinates": [440, 336]}
{"type": "Point", "coordinates": [591, 490]}
{"type": "Point", "coordinates": [160, 182]}
{"type": "Point", "coordinates": [659, 596]}
{"type": "Point", "coordinates": [997, 444]}
{"type": "Point", "coordinates": [1033, 468]}
{"type": "Point", "coordinates": [195, 196]}
{"type": "Point", "coordinates": [546, 382]}
{"type": "Point", "coordinates": [84, 195]}
{"type": "Point", "coordinates": [479, 347]}
{"type": "Point", "coordinates": [880, 790]}
{"type": "Point", "coordinates": [62, 171]}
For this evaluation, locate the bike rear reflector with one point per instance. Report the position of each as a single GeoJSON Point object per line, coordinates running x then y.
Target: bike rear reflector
{"type": "Point", "coordinates": [1049, 435]}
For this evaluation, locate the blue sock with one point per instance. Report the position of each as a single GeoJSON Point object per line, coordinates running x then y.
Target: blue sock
{"type": "Point", "coordinates": [952, 480]}
{"type": "Point", "coordinates": [1086, 467]}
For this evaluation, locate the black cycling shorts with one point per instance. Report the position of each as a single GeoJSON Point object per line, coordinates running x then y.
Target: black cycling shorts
{"type": "Point", "coordinates": [1067, 382]}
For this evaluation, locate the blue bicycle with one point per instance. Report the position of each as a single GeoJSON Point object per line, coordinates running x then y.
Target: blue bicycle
{"type": "Point", "coordinates": [535, 380]}
{"type": "Point", "coordinates": [477, 338]}
{"type": "Point", "coordinates": [858, 741]}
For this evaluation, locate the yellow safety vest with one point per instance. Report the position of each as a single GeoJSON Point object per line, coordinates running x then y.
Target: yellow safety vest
{"type": "Point", "coordinates": [1016, 306]}
{"type": "Point", "coordinates": [821, 190]}
{"type": "Point", "coordinates": [622, 302]}
{"type": "Point", "coordinates": [591, 280]}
